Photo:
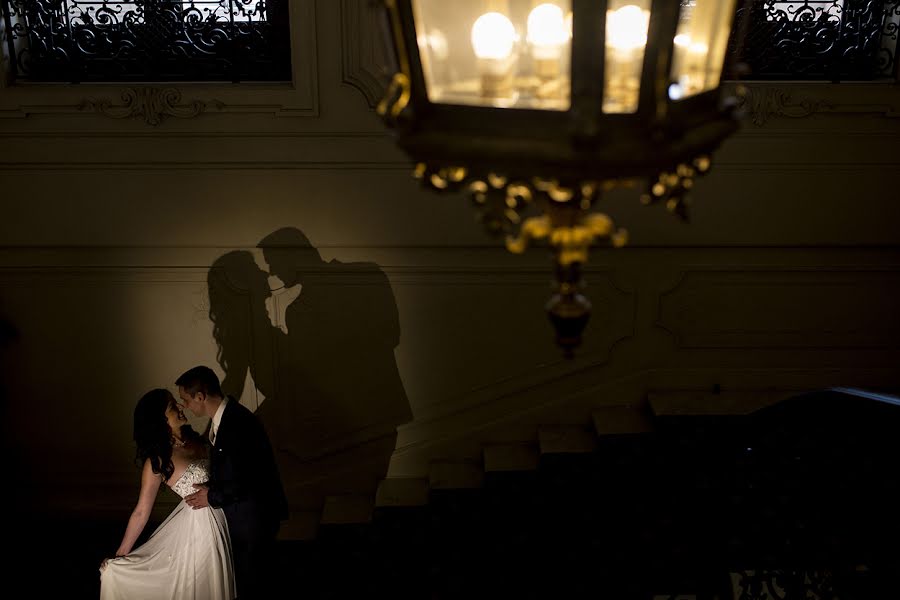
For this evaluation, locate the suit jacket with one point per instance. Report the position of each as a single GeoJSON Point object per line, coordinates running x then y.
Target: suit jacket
{"type": "Point", "coordinates": [244, 479]}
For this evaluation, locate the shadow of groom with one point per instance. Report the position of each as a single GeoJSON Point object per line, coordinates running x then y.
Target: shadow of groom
{"type": "Point", "coordinates": [333, 393]}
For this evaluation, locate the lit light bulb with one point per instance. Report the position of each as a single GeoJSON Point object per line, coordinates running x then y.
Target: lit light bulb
{"type": "Point", "coordinates": [626, 28]}
{"type": "Point", "coordinates": [626, 39]}
{"type": "Point", "coordinates": [694, 75]}
{"type": "Point", "coordinates": [493, 40]}
{"type": "Point", "coordinates": [682, 40]}
{"type": "Point", "coordinates": [698, 49]}
{"type": "Point", "coordinates": [676, 91]}
{"type": "Point", "coordinates": [547, 31]}
{"type": "Point", "coordinates": [493, 36]}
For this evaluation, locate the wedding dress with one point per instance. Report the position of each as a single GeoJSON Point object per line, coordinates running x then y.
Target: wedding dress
{"type": "Point", "coordinates": [188, 557]}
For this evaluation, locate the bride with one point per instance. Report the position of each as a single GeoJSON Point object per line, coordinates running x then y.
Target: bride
{"type": "Point", "coordinates": [189, 554]}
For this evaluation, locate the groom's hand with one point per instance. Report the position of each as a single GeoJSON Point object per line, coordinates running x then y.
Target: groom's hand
{"type": "Point", "coordinates": [199, 498]}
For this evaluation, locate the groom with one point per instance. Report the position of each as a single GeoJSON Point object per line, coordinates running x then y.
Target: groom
{"type": "Point", "coordinates": [244, 480]}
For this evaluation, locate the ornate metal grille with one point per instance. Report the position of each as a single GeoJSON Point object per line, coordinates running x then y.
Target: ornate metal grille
{"type": "Point", "coordinates": [784, 585]}
{"type": "Point", "coordinates": [147, 40]}
{"type": "Point", "coordinates": [833, 40]}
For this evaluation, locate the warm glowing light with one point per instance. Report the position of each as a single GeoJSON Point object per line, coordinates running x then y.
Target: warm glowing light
{"type": "Point", "coordinates": [436, 42]}
{"type": "Point", "coordinates": [493, 36]}
{"type": "Point", "coordinates": [547, 30]}
{"type": "Point", "coordinates": [626, 28]}
{"type": "Point", "coordinates": [698, 49]}
{"type": "Point", "coordinates": [682, 40]}
{"type": "Point", "coordinates": [676, 91]}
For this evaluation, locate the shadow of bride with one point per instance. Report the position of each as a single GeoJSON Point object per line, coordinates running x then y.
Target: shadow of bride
{"type": "Point", "coordinates": [320, 352]}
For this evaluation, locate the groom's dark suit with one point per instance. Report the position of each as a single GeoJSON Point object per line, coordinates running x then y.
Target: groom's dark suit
{"type": "Point", "coordinates": [245, 483]}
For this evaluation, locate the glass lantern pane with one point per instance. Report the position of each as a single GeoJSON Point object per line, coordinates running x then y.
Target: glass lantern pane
{"type": "Point", "coordinates": [700, 45]}
{"type": "Point", "coordinates": [627, 22]}
{"type": "Point", "coordinates": [501, 53]}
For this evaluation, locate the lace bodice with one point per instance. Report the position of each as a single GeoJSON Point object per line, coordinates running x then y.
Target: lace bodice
{"type": "Point", "coordinates": [197, 472]}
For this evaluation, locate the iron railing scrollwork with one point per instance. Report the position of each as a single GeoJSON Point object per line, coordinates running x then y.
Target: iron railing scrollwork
{"type": "Point", "coordinates": [147, 40]}
{"type": "Point", "coordinates": [784, 585]}
{"type": "Point", "coordinates": [248, 40]}
{"type": "Point", "coordinates": [828, 40]}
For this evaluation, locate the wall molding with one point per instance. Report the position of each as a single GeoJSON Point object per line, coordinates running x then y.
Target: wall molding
{"type": "Point", "coordinates": [364, 63]}
{"type": "Point", "coordinates": [782, 308]}
{"type": "Point", "coordinates": [152, 104]}
{"type": "Point", "coordinates": [767, 101]}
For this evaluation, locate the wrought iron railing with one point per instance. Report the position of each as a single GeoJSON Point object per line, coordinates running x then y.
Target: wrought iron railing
{"type": "Point", "coordinates": [831, 40]}
{"type": "Point", "coordinates": [147, 40]}
{"type": "Point", "coordinates": [248, 40]}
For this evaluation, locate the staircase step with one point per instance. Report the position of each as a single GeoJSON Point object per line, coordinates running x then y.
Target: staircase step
{"type": "Point", "coordinates": [697, 403]}
{"type": "Point", "coordinates": [300, 526]}
{"type": "Point", "coordinates": [347, 508]}
{"type": "Point", "coordinates": [510, 457]}
{"type": "Point", "coordinates": [566, 439]}
{"type": "Point", "coordinates": [621, 420]}
{"type": "Point", "coordinates": [402, 491]}
{"type": "Point", "coordinates": [444, 475]}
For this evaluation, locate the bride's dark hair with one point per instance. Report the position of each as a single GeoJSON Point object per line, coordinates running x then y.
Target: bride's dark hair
{"type": "Point", "coordinates": [233, 281]}
{"type": "Point", "coordinates": [152, 434]}
{"type": "Point", "coordinates": [238, 290]}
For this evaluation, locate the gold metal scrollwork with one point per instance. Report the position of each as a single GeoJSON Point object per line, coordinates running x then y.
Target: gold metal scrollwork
{"type": "Point", "coordinates": [672, 187]}
{"type": "Point", "coordinates": [442, 178]}
{"type": "Point", "coordinates": [517, 193]}
{"type": "Point", "coordinates": [556, 192]}
{"type": "Point", "coordinates": [478, 189]}
{"type": "Point", "coordinates": [534, 228]}
{"type": "Point", "coordinates": [399, 91]}
{"type": "Point", "coordinates": [400, 88]}
{"type": "Point", "coordinates": [571, 243]}
{"type": "Point", "coordinates": [496, 181]}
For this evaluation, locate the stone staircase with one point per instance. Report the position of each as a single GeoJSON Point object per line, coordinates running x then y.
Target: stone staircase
{"type": "Point", "coordinates": [658, 502]}
{"type": "Point", "coordinates": [525, 455]}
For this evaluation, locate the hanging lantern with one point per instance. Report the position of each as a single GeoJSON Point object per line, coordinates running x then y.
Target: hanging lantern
{"type": "Point", "coordinates": [536, 109]}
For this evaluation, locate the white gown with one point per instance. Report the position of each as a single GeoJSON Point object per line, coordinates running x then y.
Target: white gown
{"type": "Point", "coordinates": [188, 557]}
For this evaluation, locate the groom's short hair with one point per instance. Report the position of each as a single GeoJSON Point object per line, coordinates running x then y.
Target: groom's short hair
{"type": "Point", "coordinates": [200, 379]}
{"type": "Point", "coordinates": [292, 242]}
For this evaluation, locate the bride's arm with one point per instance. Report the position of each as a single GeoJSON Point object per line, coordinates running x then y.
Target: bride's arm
{"type": "Point", "coordinates": [150, 483]}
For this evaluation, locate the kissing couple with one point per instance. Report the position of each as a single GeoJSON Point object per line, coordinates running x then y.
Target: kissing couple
{"type": "Point", "coordinates": [218, 542]}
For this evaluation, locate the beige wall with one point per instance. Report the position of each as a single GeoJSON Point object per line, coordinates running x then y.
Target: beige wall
{"type": "Point", "coordinates": [786, 278]}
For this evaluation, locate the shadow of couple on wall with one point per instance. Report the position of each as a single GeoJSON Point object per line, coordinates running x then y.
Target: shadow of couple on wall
{"type": "Point", "coordinates": [318, 346]}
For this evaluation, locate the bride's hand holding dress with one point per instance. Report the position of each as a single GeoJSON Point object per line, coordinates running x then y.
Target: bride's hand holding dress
{"type": "Point", "coordinates": [189, 555]}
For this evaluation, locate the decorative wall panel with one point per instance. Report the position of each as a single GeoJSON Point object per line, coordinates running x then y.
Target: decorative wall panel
{"type": "Point", "coordinates": [365, 61]}
{"type": "Point", "coordinates": [815, 308]}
